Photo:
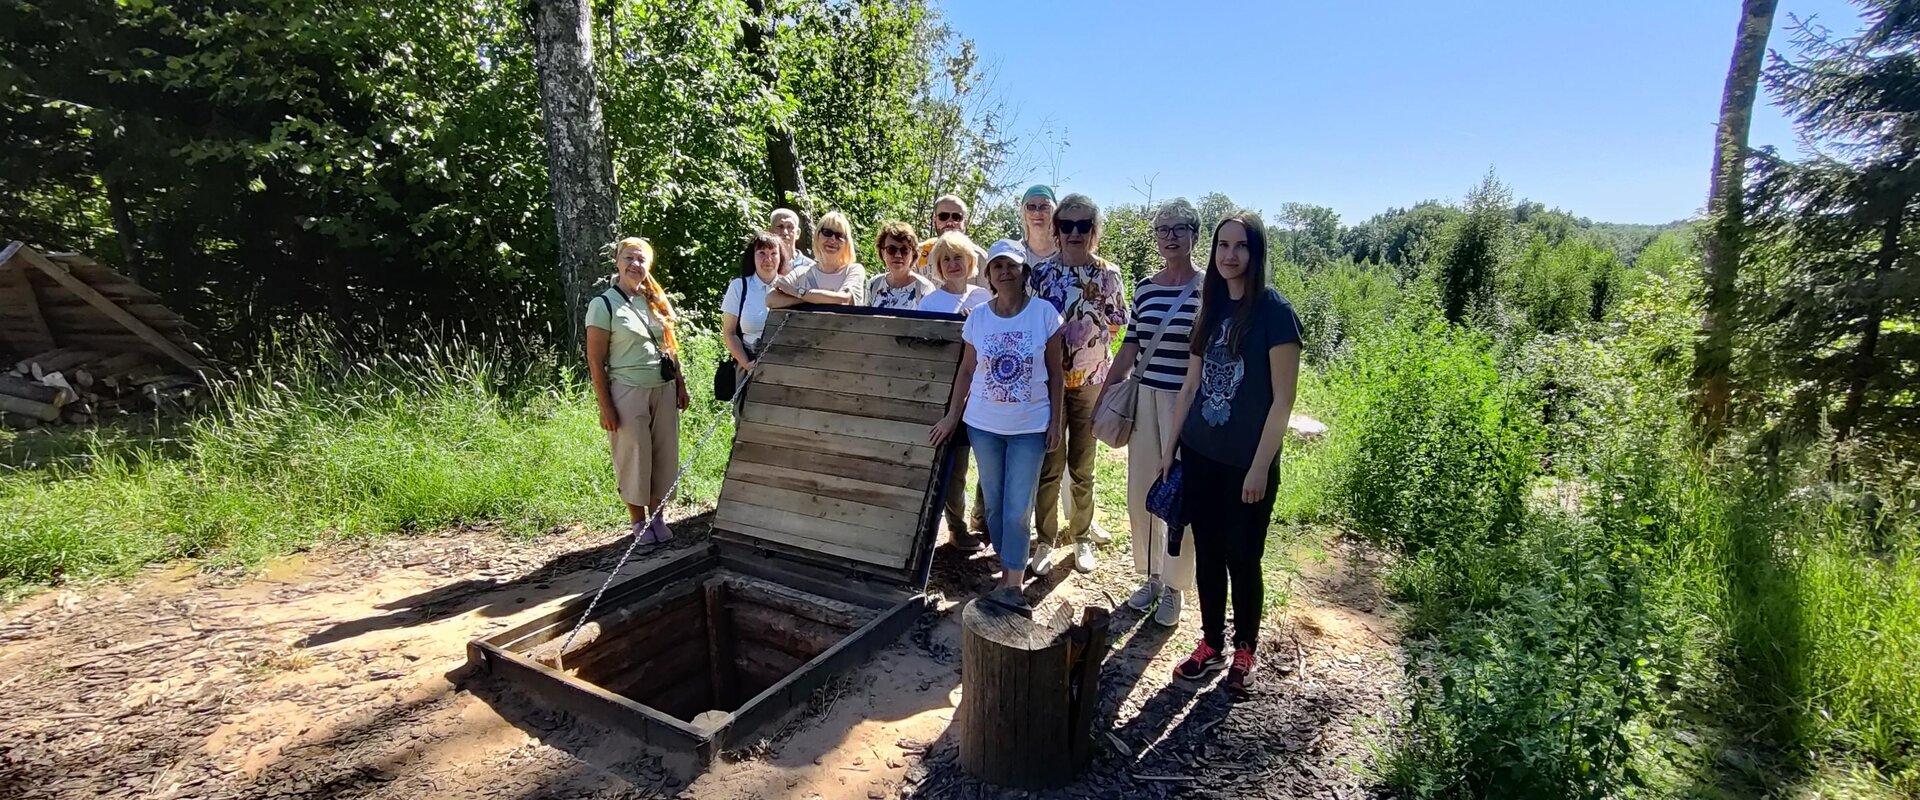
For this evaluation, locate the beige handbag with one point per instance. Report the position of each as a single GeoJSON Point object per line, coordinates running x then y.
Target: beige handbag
{"type": "Point", "coordinates": [1113, 418]}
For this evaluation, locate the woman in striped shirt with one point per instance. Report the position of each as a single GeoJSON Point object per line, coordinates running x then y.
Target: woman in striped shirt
{"type": "Point", "coordinates": [1157, 301]}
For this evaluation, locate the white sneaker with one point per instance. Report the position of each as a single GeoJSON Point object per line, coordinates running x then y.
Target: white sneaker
{"type": "Point", "coordinates": [1101, 535]}
{"type": "Point", "coordinates": [1168, 614]}
{"type": "Point", "coordinates": [1143, 597]}
{"type": "Point", "coordinates": [1083, 557]}
{"type": "Point", "coordinates": [1042, 562]}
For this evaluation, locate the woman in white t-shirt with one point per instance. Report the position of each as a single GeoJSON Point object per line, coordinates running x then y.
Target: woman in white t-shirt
{"type": "Point", "coordinates": [954, 258]}
{"type": "Point", "coordinates": [1008, 394]}
{"type": "Point", "coordinates": [743, 311]}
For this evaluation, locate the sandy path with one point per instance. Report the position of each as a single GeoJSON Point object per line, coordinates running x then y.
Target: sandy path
{"type": "Point", "coordinates": [327, 675]}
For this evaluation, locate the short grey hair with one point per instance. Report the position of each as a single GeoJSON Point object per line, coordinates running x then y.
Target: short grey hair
{"type": "Point", "coordinates": [784, 212]}
{"type": "Point", "coordinates": [1081, 201]}
{"type": "Point", "coordinates": [954, 199]}
{"type": "Point", "coordinates": [1180, 211]}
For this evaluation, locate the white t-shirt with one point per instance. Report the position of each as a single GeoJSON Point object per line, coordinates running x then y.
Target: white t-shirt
{"type": "Point", "coordinates": [753, 313]}
{"type": "Point", "coordinates": [1008, 395]}
{"type": "Point", "coordinates": [945, 302]}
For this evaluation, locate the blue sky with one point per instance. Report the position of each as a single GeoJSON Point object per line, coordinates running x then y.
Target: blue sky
{"type": "Point", "coordinates": [1606, 109]}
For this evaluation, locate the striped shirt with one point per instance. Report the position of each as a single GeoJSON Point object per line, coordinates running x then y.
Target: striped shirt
{"type": "Point", "coordinates": [1166, 367]}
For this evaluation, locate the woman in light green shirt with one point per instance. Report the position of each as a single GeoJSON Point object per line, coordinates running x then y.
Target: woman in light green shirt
{"type": "Point", "coordinates": [633, 360]}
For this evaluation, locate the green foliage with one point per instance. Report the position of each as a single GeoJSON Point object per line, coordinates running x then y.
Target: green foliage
{"type": "Point", "coordinates": [315, 445]}
{"type": "Point", "coordinates": [1406, 239]}
{"type": "Point", "coordinates": [1477, 251]}
{"type": "Point", "coordinates": [1558, 285]}
{"type": "Point", "coordinates": [1307, 235]}
{"type": "Point", "coordinates": [1442, 449]}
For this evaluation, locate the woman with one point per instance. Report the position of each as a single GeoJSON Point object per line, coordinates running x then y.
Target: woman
{"type": "Point", "coordinates": [1164, 306]}
{"type": "Point", "coordinates": [899, 286]}
{"type": "Point", "coordinates": [835, 280]}
{"type": "Point", "coordinates": [954, 257]}
{"type": "Point", "coordinates": [1242, 368]}
{"type": "Point", "coordinates": [743, 311]}
{"type": "Point", "coordinates": [1008, 394]}
{"type": "Point", "coordinates": [633, 360]}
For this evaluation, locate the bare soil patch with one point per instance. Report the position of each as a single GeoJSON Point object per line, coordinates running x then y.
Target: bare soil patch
{"type": "Point", "coordinates": [328, 674]}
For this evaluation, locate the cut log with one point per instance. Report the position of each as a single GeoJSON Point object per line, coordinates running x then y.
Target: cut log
{"type": "Point", "coordinates": [44, 412]}
{"type": "Point", "coordinates": [31, 390]}
{"type": "Point", "coordinates": [1029, 691]}
{"type": "Point", "coordinates": [62, 361]}
{"type": "Point", "coordinates": [795, 636]}
{"type": "Point", "coordinates": [844, 616]}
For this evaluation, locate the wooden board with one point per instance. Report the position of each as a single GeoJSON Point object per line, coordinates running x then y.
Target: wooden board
{"type": "Point", "coordinates": [828, 424]}
{"type": "Point", "coordinates": [859, 543]}
{"type": "Point", "coordinates": [842, 341]}
{"type": "Point", "coordinates": [923, 391]}
{"type": "Point", "coordinates": [111, 309]}
{"type": "Point", "coordinates": [874, 325]}
{"type": "Point", "coordinates": [832, 509]}
{"type": "Point", "coordinates": [885, 495]}
{"type": "Point", "coordinates": [905, 454]}
{"type": "Point", "coordinates": [27, 327]}
{"type": "Point", "coordinates": [886, 366]}
{"type": "Point", "coordinates": [844, 403]}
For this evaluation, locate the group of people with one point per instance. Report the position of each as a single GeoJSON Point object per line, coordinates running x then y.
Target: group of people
{"type": "Point", "coordinates": [1211, 356]}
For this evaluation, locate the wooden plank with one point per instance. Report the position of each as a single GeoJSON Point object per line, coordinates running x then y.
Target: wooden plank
{"type": "Point", "coordinates": [856, 542]}
{"type": "Point", "coordinates": [720, 644]}
{"type": "Point", "coordinates": [111, 309]}
{"type": "Point", "coordinates": [913, 479]}
{"type": "Point", "coordinates": [795, 636]}
{"type": "Point", "coordinates": [827, 424]}
{"type": "Point", "coordinates": [558, 690]}
{"type": "Point", "coordinates": [16, 292]}
{"type": "Point", "coordinates": [79, 320]}
{"type": "Point", "coordinates": [58, 295]}
{"type": "Point", "coordinates": [925, 391]}
{"type": "Point", "coordinates": [833, 509]}
{"type": "Point", "coordinates": [45, 412]}
{"type": "Point", "coordinates": [906, 454]}
{"type": "Point", "coordinates": [867, 344]}
{"type": "Point", "coordinates": [749, 521]}
{"type": "Point", "coordinates": [898, 498]}
{"type": "Point", "coordinates": [884, 365]}
{"type": "Point", "coordinates": [936, 329]}
{"type": "Point", "coordinates": [843, 403]}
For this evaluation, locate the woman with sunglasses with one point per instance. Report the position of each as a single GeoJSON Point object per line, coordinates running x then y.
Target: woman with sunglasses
{"type": "Point", "coordinates": [899, 286]}
{"type": "Point", "coordinates": [1164, 306]}
{"type": "Point", "coordinates": [1086, 290]}
{"type": "Point", "coordinates": [1243, 365]}
{"type": "Point", "coordinates": [836, 280]}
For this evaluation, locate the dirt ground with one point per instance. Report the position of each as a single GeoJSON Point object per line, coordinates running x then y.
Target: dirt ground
{"type": "Point", "coordinates": [332, 673]}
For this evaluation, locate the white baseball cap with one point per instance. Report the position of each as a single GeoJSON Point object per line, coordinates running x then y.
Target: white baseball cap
{"type": "Point", "coordinates": [1009, 249]}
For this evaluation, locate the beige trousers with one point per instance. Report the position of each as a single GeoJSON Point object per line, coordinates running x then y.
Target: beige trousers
{"type": "Point", "coordinates": [1155, 432]}
{"type": "Point", "coordinates": [646, 448]}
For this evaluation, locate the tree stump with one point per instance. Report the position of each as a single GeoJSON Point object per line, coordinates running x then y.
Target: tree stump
{"type": "Point", "coordinates": [1029, 690]}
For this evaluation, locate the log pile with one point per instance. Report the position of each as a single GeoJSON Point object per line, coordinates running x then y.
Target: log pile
{"type": "Point", "coordinates": [77, 386]}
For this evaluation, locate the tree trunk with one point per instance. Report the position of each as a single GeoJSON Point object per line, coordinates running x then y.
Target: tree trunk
{"type": "Point", "coordinates": [1029, 693]}
{"type": "Point", "coordinates": [1865, 359]}
{"type": "Point", "coordinates": [579, 167]}
{"type": "Point", "coordinates": [131, 259]}
{"type": "Point", "coordinates": [783, 153]}
{"type": "Point", "coordinates": [1713, 353]}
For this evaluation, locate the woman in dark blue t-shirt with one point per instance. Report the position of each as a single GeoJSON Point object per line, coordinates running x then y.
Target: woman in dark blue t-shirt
{"type": "Point", "coordinates": [1243, 366]}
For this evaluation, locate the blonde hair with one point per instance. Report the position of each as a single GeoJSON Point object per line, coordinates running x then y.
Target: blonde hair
{"type": "Point", "coordinates": [837, 221]}
{"type": "Point", "coordinates": [655, 296]}
{"type": "Point", "coordinates": [956, 243]}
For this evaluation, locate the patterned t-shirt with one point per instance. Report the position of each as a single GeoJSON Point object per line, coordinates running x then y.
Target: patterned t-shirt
{"type": "Point", "coordinates": [1090, 302]}
{"type": "Point", "coordinates": [881, 294]}
{"type": "Point", "coordinates": [1008, 395]}
{"type": "Point", "coordinates": [1236, 389]}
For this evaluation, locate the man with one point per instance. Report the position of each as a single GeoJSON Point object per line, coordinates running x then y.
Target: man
{"type": "Point", "coordinates": [949, 214]}
{"type": "Point", "coordinates": [1036, 217]}
{"type": "Point", "coordinates": [785, 224]}
{"type": "Point", "coordinates": [1089, 295]}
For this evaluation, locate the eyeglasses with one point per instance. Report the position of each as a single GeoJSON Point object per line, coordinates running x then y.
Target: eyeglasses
{"type": "Point", "coordinates": [1073, 225]}
{"type": "Point", "coordinates": [949, 216]}
{"type": "Point", "coordinates": [1170, 231]}
{"type": "Point", "coordinates": [896, 249]}
{"type": "Point", "coordinates": [833, 234]}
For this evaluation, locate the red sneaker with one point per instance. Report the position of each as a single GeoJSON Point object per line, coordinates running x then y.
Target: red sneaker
{"type": "Point", "coordinates": [1205, 659]}
{"type": "Point", "coordinates": [1237, 675]}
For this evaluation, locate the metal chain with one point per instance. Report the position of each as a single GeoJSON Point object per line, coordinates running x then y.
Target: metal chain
{"type": "Point", "coordinates": [766, 345]}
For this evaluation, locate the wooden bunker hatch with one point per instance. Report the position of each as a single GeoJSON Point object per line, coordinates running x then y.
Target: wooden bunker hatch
{"type": "Point", "coordinates": [822, 542]}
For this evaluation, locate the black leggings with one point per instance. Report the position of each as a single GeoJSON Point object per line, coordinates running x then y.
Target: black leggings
{"type": "Point", "coordinates": [1229, 538]}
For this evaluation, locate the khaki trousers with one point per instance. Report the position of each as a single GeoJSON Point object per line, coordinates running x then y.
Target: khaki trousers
{"type": "Point", "coordinates": [646, 447]}
{"type": "Point", "coordinates": [1155, 434]}
{"type": "Point", "coordinates": [1075, 459]}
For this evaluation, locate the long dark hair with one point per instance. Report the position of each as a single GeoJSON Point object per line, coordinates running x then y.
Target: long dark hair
{"type": "Point", "coordinates": [1213, 293]}
{"type": "Point", "coordinates": [758, 240]}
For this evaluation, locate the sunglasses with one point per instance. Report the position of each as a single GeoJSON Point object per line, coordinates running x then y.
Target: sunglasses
{"type": "Point", "coordinates": [949, 216]}
{"type": "Point", "coordinates": [896, 249]}
{"type": "Point", "coordinates": [833, 234]}
{"type": "Point", "coordinates": [1036, 208]}
{"type": "Point", "coordinates": [1073, 225]}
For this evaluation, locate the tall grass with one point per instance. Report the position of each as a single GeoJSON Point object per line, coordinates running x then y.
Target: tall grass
{"type": "Point", "coordinates": [311, 444]}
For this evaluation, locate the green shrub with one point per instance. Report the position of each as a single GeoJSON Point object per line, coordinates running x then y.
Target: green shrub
{"type": "Point", "coordinates": [1441, 447]}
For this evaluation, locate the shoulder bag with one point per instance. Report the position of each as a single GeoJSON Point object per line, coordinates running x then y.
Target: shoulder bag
{"type": "Point", "coordinates": [1113, 418]}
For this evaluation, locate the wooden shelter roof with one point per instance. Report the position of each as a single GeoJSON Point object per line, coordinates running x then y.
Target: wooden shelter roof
{"type": "Point", "coordinates": [67, 300]}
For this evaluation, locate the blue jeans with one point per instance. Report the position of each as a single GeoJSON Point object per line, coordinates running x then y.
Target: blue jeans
{"type": "Point", "coordinates": [1009, 473]}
